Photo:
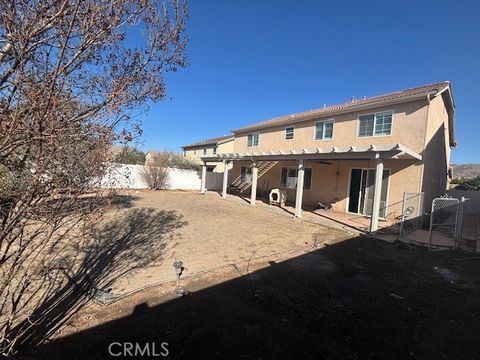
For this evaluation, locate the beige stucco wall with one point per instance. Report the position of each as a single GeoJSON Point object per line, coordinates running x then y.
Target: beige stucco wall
{"type": "Point", "coordinates": [328, 187]}
{"type": "Point", "coordinates": [436, 154]}
{"type": "Point", "coordinates": [197, 152]}
{"type": "Point", "coordinates": [420, 125]}
{"type": "Point", "coordinates": [408, 128]}
{"type": "Point", "coordinates": [226, 147]}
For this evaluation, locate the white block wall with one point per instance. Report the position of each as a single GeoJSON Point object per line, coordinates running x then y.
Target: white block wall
{"type": "Point", "coordinates": [121, 176]}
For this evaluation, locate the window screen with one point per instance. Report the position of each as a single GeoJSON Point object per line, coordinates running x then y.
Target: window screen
{"type": "Point", "coordinates": [324, 130]}
{"type": "Point", "coordinates": [289, 131]}
{"type": "Point", "coordinates": [366, 125]}
{"type": "Point", "coordinates": [378, 124]}
{"type": "Point", "coordinates": [252, 140]}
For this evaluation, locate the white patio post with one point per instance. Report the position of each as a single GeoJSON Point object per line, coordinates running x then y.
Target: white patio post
{"type": "Point", "coordinates": [299, 198]}
{"type": "Point", "coordinates": [376, 193]}
{"type": "Point", "coordinates": [203, 179]}
{"type": "Point", "coordinates": [225, 178]}
{"type": "Point", "coordinates": [253, 191]}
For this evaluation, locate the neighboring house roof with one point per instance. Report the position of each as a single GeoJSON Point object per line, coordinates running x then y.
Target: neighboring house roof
{"type": "Point", "coordinates": [212, 141]}
{"type": "Point", "coordinates": [115, 149]}
{"type": "Point", "coordinates": [153, 152]}
{"type": "Point", "coordinates": [429, 91]}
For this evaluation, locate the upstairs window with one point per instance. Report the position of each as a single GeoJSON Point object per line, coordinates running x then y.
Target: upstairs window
{"type": "Point", "coordinates": [378, 124]}
{"type": "Point", "coordinates": [214, 150]}
{"type": "Point", "coordinates": [252, 140]}
{"type": "Point", "coordinates": [205, 151]}
{"type": "Point", "coordinates": [289, 178]}
{"type": "Point", "coordinates": [324, 130]}
{"type": "Point", "coordinates": [289, 132]}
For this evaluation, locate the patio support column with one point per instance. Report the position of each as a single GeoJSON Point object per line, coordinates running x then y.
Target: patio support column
{"type": "Point", "coordinates": [376, 193]}
{"type": "Point", "coordinates": [203, 179]}
{"type": "Point", "coordinates": [225, 178]}
{"type": "Point", "coordinates": [299, 198]}
{"type": "Point", "coordinates": [253, 191]}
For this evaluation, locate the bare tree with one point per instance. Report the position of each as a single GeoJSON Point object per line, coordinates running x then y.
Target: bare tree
{"type": "Point", "coordinates": [70, 81]}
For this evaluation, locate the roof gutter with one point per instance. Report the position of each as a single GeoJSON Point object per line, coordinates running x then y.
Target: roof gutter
{"type": "Point", "coordinates": [196, 146]}
{"type": "Point", "coordinates": [451, 114]}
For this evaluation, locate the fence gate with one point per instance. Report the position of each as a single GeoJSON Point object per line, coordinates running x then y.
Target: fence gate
{"type": "Point", "coordinates": [444, 219]}
{"type": "Point", "coordinates": [468, 228]}
{"type": "Point", "coordinates": [412, 212]}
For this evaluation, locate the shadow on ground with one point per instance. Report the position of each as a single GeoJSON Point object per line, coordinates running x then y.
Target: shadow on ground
{"type": "Point", "coordinates": [112, 250]}
{"type": "Point", "coordinates": [359, 299]}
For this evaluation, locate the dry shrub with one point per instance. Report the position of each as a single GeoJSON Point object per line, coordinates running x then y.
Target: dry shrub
{"type": "Point", "coordinates": [155, 172]}
{"type": "Point", "coordinates": [173, 160]}
{"type": "Point", "coordinates": [156, 176]}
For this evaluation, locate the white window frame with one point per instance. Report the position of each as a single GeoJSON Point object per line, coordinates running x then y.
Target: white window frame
{"type": "Point", "coordinates": [296, 169]}
{"type": "Point", "coordinates": [374, 124]}
{"type": "Point", "coordinates": [323, 134]}
{"type": "Point", "coordinates": [293, 132]}
{"type": "Point", "coordinates": [253, 134]}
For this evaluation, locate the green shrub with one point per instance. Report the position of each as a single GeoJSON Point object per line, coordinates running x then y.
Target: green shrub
{"type": "Point", "coordinates": [172, 160]}
{"type": "Point", "coordinates": [467, 184]}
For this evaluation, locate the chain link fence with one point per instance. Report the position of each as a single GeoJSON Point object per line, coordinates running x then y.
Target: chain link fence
{"type": "Point", "coordinates": [444, 219]}
{"type": "Point", "coordinates": [453, 223]}
{"type": "Point", "coordinates": [412, 212]}
{"type": "Point", "coordinates": [469, 225]}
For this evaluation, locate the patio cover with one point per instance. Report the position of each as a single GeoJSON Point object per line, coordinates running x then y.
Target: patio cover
{"type": "Point", "coordinates": [379, 153]}
{"type": "Point", "coordinates": [389, 151]}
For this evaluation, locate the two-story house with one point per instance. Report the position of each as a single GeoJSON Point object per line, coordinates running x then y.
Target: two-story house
{"type": "Point", "coordinates": [360, 157]}
{"type": "Point", "coordinates": [210, 147]}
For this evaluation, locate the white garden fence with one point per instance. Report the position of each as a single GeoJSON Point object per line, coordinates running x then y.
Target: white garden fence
{"type": "Point", "coordinates": [122, 176]}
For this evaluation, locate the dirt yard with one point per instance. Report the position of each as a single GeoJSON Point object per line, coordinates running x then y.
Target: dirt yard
{"type": "Point", "coordinates": [156, 228]}
{"type": "Point", "coordinates": [356, 299]}
{"type": "Point", "coordinates": [259, 284]}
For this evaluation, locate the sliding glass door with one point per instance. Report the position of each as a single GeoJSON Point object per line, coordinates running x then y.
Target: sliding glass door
{"type": "Point", "coordinates": [361, 191]}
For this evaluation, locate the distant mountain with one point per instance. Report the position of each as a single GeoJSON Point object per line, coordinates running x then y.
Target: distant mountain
{"type": "Point", "coordinates": [467, 171]}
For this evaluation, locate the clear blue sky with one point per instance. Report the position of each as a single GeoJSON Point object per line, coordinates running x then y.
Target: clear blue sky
{"type": "Point", "coordinates": [253, 60]}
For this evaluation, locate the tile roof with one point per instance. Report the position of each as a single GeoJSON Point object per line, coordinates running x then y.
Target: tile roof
{"type": "Point", "coordinates": [375, 101]}
{"type": "Point", "coordinates": [211, 141]}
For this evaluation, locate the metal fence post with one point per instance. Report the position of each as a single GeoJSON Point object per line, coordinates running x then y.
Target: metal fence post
{"type": "Point", "coordinates": [403, 213]}
{"type": "Point", "coordinates": [431, 225]}
{"type": "Point", "coordinates": [461, 213]}
{"type": "Point", "coordinates": [458, 225]}
{"type": "Point", "coordinates": [421, 208]}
